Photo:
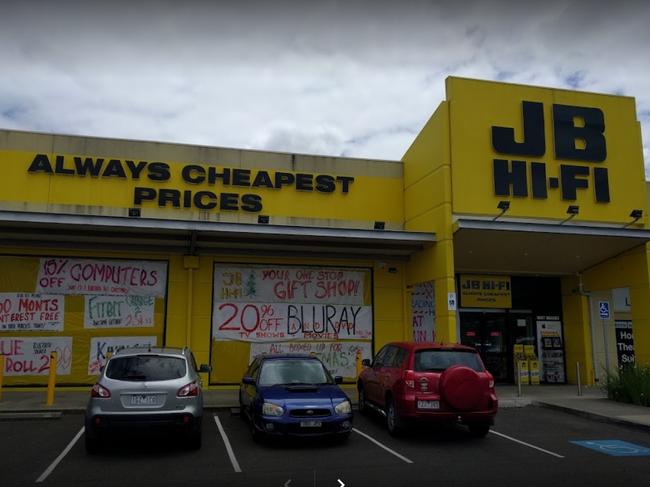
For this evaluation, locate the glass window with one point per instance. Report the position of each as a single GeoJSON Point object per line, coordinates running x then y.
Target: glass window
{"type": "Point", "coordinates": [439, 360]}
{"type": "Point", "coordinates": [293, 371]}
{"type": "Point", "coordinates": [146, 368]}
{"type": "Point", "coordinates": [379, 358]}
{"type": "Point", "coordinates": [399, 357]}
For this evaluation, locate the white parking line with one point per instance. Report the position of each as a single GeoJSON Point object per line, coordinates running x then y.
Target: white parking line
{"type": "Point", "coordinates": [381, 445]}
{"type": "Point", "coordinates": [526, 444]}
{"type": "Point", "coordinates": [58, 459]}
{"type": "Point", "coordinates": [226, 441]}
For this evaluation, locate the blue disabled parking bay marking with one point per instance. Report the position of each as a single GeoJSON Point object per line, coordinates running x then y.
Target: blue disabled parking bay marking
{"type": "Point", "coordinates": [615, 448]}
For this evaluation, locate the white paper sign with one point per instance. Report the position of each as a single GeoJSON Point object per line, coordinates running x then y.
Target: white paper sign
{"type": "Point", "coordinates": [105, 277]}
{"type": "Point", "coordinates": [118, 311]}
{"type": "Point", "coordinates": [423, 312]}
{"type": "Point", "coordinates": [338, 357]}
{"type": "Point", "coordinates": [268, 322]}
{"type": "Point", "coordinates": [289, 284]}
{"type": "Point", "coordinates": [31, 312]}
{"type": "Point", "coordinates": [102, 347]}
{"type": "Point", "coordinates": [31, 356]}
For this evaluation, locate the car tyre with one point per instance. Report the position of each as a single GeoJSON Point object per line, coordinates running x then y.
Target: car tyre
{"type": "Point", "coordinates": [91, 444]}
{"type": "Point", "coordinates": [363, 406]}
{"type": "Point", "coordinates": [256, 434]}
{"type": "Point", "coordinates": [479, 430]}
{"type": "Point", "coordinates": [195, 440]}
{"type": "Point", "coordinates": [394, 423]}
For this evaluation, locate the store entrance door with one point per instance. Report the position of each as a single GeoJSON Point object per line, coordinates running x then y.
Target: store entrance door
{"type": "Point", "coordinates": [487, 332]}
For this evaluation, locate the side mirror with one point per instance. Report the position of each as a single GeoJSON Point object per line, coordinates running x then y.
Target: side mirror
{"type": "Point", "coordinates": [366, 362]}
{"type": "Point", "coordinates": [338, 379]}
{"type": "Point", "coordinates": [247, 379]}
{"type": "Point", "coordinates": [205, 368]}
{"type": "Point", "coordinates": [101, 369]}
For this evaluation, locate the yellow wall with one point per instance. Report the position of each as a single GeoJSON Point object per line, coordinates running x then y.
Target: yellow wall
{"type": "Point", "coordinates": [229, 359]}
{"type": "Point", "coordinates": [427, 208]}
{"type": "Point", "coordinates": [476, 106]}
{"type": "Point", "coordinates": [374, 195]}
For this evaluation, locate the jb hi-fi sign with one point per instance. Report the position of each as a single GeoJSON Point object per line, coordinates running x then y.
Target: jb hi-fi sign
{"type": "Point", "coordinates": [578, 135]}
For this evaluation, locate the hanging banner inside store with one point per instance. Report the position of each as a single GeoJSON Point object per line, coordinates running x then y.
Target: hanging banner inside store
{"type": "Point", "coordinates": [102, 348]}
{"type": "Point", "coordinates": [31, 312]}
{"type": "Point", "coordinates": [338, 357]}
{"type": "Point", "coordinates": [104, 277]}
{"type": "Point", "coordinates": [266, 304]}
{"type": "Point", "coordinates": [551, 351]}
{"type": "Point", "coordinates": [423, 312]}
{"type": "Point", "coordinates": [118, 311]}
{"type": "Point", "coordinates": [485, 291]}
{"type": "Point", "coordinates": [624, 343]}
{"type": "Point", "coordinates": [31, 356]}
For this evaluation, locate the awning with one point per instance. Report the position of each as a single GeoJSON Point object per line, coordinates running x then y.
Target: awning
{"type": "Point", "coordinates": [538, 248]}
{"type": "Point", "coordinates": [24, 229]}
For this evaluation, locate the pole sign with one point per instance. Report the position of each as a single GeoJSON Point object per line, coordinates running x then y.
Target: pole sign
{"type": "Point", "coordinates": [603, 310]}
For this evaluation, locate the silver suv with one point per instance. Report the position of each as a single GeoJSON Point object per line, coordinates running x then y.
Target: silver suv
{"type": "Point", "coordinates": [147, 387]}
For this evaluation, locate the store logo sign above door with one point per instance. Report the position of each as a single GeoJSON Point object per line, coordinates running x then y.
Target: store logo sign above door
{"type": "Point", "coordinates": [578, 135]}
{"type": "Point", "coordinates": [485, 291]}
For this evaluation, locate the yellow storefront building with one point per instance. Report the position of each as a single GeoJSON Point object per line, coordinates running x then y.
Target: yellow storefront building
{"type": "Point", "coordinates": [517, 218]}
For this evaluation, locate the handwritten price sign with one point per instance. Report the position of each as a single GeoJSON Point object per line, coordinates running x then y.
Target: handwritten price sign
{"type": "Point", "coordinates": [31, 356]}
{"type": "Point", "coordinates": [118, 311]}
{"type": "Point", "coordinates": [29, 312]}
{"type": "Point", "coordinates": [264, 322]}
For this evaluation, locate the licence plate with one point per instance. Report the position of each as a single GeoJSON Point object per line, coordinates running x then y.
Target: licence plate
{"type": "Point", "coordinates": [311, 424]}
{"type": "Point", "coordinates": [428, 404]}
{"type": "Point", "coordinates": [145, 400]}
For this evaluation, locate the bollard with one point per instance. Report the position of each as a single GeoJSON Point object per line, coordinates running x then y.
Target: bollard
{"type": "Point", "coordinates": [578, 376]}
{"type": "Point", "coordinates": [518, 380]}
{"type": "Point", "coordinates": [358, 363]}
{"type": "Point", "coordinates": [51, 380]}
{"type": "Point", "coordinates": [2, 373]}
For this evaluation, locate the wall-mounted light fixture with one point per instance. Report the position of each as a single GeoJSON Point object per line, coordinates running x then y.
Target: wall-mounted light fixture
{"type": "Point", "coordinates": [635, 214]}
{"type": "Point", "coordinates": [134, 213]}
{"type": "Point", "coordinates": [504, 206]}
{"type": "Point", "coordinates": [572, 211]}
{"type": "Point", "coordinates": [263, 219]}
{"type": "Point", "coordinates": [380, 225]}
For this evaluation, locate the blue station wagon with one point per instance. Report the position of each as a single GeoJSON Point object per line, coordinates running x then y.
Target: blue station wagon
{"type": "Point", "coordinates": [293, 395]}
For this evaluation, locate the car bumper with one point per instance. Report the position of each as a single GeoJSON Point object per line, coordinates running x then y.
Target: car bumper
{"type": "Point", "coordinates": [105, 423]}
{"type": "Point", "coordinates": [272, 426]}
{"type": "Point", "coordinates": [408, 409]}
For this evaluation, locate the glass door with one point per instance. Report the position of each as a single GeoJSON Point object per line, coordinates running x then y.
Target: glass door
{"type": "Point", "coordinates": [487, 332]}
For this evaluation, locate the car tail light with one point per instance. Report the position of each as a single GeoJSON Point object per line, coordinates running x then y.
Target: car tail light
{"type": "Point", "coordinates": [100, 391]}
{"type": "Point", "coordinates": [189, 390]}
{"type": "Point", "coordinates": [424, 384]}
{"type": "Point", "coordinates": [409, 379]}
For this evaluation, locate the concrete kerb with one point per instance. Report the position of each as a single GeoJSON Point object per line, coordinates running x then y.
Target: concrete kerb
{"type": "Point", "coordinates": [602, 418]}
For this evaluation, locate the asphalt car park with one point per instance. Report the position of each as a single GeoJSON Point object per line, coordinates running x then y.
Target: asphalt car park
{"type": "Point", "coordinates": [527, 446]}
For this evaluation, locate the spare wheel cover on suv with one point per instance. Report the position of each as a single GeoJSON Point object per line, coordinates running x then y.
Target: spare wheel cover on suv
{"type": "Point", "coordinates": [460, 387]}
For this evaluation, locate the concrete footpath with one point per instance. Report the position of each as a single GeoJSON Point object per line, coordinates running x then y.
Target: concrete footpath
{"type": "Point", "coordinates": [592, 404]}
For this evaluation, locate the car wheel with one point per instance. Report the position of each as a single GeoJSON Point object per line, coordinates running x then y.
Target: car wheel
{"type": "Point", "coordinates": [479, 430]}
{"type": "Point", "coordinates": [363, 407]}
{"type": "Point", "coordinates": [256, 434]}
{"type": "Point", "coordinates": [91, 444]}
{"type": "Point", "coordinates": [394, 423]}
{"type": "Point", "coordinates": [194, 440]}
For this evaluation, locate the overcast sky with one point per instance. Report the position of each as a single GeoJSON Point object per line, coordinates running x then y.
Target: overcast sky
{"type": "Point", "coordinates": [327, 77]}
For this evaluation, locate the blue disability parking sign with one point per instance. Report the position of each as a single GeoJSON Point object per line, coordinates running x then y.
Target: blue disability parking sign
{"type": "Point", "coordinates": [615, 448]}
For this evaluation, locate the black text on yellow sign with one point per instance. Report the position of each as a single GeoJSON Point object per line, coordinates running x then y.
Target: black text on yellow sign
{"type": "Point", "coordinates": [194, 174]}
{"type": "Point", "coordinates": [579, 135]}
{"type": "Point", "coordinates": [485, 291]}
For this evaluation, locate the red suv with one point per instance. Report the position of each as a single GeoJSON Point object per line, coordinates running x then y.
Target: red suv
{"type": "Point", "coordinates": [429, 382]}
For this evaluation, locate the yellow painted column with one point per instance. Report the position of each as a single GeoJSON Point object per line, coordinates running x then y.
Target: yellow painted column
{"type": "Point", "coordinates": [577, 332]}
{"type": "Point", "coordinates": [190, 262]}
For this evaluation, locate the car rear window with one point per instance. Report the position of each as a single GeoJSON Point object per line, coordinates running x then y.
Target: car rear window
{"type": "Point", "coordinates": [293, 371]}
{"type": "Point", "coordinates": [439, 360]}
{"type": "Point", "coordinates": [146, 368]}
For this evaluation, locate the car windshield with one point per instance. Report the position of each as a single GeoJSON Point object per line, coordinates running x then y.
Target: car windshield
{"type": "Point", "coordinates": [293, 371]}
{"type": "Point", "coordinates": [145, 368]}
{"type": "Point", "coordinates": [439, 360]}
